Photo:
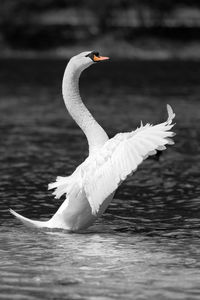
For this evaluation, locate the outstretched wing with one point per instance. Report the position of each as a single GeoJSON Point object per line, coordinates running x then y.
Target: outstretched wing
{"type": "Point", "coordinates": [120, 156]}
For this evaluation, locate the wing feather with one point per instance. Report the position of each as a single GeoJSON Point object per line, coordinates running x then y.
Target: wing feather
{"type": "Point", "coordinates": [120, 156]}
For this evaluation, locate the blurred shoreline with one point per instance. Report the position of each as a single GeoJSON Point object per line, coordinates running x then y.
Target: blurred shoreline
{"type": "Point", "coordinates": [144, 49]}
{"type": "Point", "coordinates": [123, 29]}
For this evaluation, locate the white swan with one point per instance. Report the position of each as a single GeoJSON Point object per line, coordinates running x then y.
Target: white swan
{"type": "Point", "coordinates": [91, 187]}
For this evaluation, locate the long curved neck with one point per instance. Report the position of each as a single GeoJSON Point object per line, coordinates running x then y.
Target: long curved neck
{"type": "Point", "coordinates": [95, 134]}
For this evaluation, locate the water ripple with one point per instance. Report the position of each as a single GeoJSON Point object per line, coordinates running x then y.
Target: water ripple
{"type": "Point", "coordinates": [146, 245]}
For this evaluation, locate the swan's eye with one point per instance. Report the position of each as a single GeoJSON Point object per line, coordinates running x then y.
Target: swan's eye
{"type": "Point", "coordinates": [95, 57]}
{"type": "Point", "coordinates": [96, 54]}
{"type": "Point", "coordinates": [92, 55]}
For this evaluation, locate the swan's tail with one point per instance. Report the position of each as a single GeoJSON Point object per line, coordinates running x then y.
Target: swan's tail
{"type": "Point", "coordinates": [28, 222]}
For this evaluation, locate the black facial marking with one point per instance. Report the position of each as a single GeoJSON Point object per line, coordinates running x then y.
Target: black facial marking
{"type": "Point", "coordinates": [92, 54]}
{"type": "Point", "coordinates": [96, 53]}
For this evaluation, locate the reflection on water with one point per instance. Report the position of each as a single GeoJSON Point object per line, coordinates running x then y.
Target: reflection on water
{"type": "Point", "coordinates": [101, 265]}
{"type": "Point", "coordinates": [146, 245]}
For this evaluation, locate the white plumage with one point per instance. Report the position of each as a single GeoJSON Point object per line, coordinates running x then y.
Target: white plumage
{"type": "Point", "coordinates": [91, 187]}
{"type": "Point", "coordinates": [101, 173]}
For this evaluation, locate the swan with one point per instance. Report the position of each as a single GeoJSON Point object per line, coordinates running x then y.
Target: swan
{"type": "Point", "coordinates": [91, 187]}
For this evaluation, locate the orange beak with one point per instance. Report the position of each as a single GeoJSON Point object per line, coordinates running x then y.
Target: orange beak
{"type": "Point", "coordinates": [99, 58]}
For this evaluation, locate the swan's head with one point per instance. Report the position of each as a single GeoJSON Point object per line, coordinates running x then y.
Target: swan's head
{"type": "Point", "coordinates": [86, 59]}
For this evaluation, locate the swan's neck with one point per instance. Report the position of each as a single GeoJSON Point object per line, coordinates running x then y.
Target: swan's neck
{"type": "Point", "coordinates": [95, 134]}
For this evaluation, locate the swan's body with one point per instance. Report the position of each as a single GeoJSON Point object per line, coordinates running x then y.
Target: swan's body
{"type": "Point", "coordinates": [91, 187]}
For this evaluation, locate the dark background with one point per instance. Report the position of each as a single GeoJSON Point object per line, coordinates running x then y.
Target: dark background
{"type": "Point", "coordinates": [146, 245]}
{"type": "Point", "coordinates": [137, 28]}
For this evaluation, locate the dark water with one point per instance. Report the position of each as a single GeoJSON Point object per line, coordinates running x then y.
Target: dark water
{"type": "Point", "coordinates": [147, 244]}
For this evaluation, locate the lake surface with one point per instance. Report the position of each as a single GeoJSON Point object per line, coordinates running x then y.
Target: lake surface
{"type": "Point", "coordinates": [147, 243]}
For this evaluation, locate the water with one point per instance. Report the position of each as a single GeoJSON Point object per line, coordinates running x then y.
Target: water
{"type": "Point", "coordinates": [146, 245]}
